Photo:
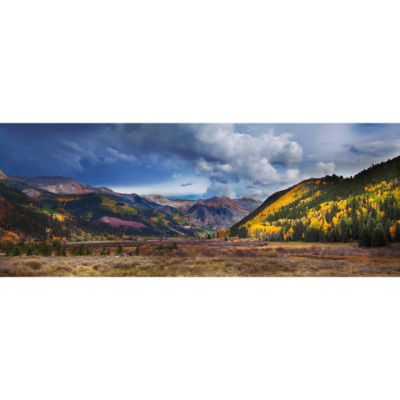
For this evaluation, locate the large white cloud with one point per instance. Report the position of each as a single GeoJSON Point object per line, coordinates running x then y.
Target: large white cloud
{"type": "Point", "coordinates": [230, 156]}
{"type": "Point", "coordinates": [224, 143]}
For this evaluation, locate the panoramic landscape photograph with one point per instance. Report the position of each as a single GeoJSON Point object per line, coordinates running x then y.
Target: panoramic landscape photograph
{"type": "Point", "coordinates": [212, 200]}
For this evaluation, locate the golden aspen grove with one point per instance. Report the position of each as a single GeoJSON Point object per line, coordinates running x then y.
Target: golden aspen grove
{"type": "Point", "coordinates": [365, 208]}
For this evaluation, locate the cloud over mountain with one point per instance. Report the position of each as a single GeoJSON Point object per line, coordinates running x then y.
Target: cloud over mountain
{"type": "Point", "coordinates": [324, 168]}
{"type": "Point", "coordinates": [230, 156]}
{"type": "Point", "coordinates": [234, 159]}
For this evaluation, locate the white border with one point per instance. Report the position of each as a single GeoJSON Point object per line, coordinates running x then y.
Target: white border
{"type": "Point", "coordinates": [208, 61]}
{"type": "Point", "coordinates": [199, 338]}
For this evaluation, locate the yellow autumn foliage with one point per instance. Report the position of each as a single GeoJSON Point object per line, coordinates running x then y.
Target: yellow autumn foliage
{"type": "Point", "coordinates": [289, 197]}
{"type": "Point", "coordinates": [266, 230]}
{"type": "Point", "coordinates": [338, 215]}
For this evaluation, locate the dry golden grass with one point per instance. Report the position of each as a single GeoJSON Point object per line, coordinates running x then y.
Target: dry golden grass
{"type": "Point", "coordinates": [214, 258]}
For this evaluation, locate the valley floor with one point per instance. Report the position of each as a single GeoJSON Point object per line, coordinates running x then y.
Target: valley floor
{"type": "Point", "coordinates": [212, 258]}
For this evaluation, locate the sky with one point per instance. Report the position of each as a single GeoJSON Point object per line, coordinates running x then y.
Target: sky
{"type": "Point", "coordinates": [194, 160]}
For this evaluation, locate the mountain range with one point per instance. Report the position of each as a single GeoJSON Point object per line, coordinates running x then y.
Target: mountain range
{"type": "Point", "coordinates": [43, 207]}
{"type": "Point", "coordinates": [213, 213]}
{"type": "Point", "coordinates": [365, 207]}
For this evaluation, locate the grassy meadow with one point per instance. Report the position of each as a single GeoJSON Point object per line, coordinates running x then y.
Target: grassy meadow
{"type": "Point", "coordinates": [207, 258]}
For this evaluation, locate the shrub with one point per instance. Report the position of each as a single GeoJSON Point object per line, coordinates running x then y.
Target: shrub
{"type": "Point", "coordinates": [123, 265]}
{"type": "Point", "coordinates": [16, 251]}
{"type": "Point", "coordinates": [57, 245]}
{"type": "Point", "coordinates": [34, 264]}
{"type": "Point", "coordinates": [120, 251]}
{"type": "Point", "coordinates": [169, 246]}
{"type": "Point", "coordinates": [104, 252]}
{"type": "Point", "coordinates": [60, 251]}
{"type": "Point", "coordinates": [44, 249]}
{"type": "Point", "coordinates": [80, 251]}
{"type": "Point", "coordinates": [378, 237]}
{"type": "Point", "coordinates": [365, 238]}
{"type": "Point", "coordinates": [172, 246]}
{"type": "Point", "coordinates": [397, 232]}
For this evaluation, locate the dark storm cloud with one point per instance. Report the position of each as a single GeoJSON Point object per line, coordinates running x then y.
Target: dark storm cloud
{"type": "Point", "coordinates": [233, 158]}
{"type": "Point", "coordinates": [217, 151]}
{"type": "Point", "coordinates": [92, 153]}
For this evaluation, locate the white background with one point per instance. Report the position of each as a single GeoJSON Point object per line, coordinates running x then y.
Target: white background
{"type": "Point", "coordinates": [199, 61]}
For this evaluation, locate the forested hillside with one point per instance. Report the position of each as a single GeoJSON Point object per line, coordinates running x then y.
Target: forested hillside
{"type": "Point", "coordinates": [27, 213]}
{"type": "Point", "coordinates": [48, 208]}
{"type": "Point", "coordinates": [365, 207]}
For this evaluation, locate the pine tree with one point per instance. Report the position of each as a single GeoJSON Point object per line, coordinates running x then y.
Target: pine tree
{"type": "Point", "coordinates": [378, 237]}
{"type": "Point", "coordinates": [397, 232]}
{"type": "Point", "coordinates": [16, 251]}
{"type": "Point", "coordinates": [44, 249]}
{"type": "Point", "coordinates": [365, 237]}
